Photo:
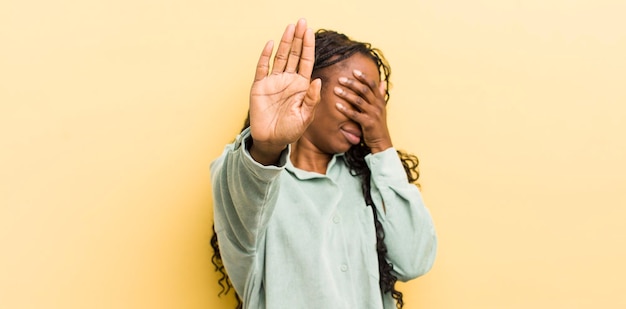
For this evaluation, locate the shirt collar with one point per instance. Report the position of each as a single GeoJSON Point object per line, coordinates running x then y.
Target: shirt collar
{"type": "Point", "coordinates": [303, 175]}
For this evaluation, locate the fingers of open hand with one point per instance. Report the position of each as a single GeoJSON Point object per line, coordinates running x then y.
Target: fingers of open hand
{"type": "Point", "coordinates": [263, 65]}
{"type": "Point", "coordinates": [296, 47]}
{"type": "Point", "coordinates": [296, 51]}
{"type": "Point", "coordinates": [282, 54]}
{"type": "Point", "coordinates": [307, 59]}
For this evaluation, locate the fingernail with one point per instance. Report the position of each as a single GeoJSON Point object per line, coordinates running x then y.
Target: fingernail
{"type": "Point", "coordinates": [339, 106]}
{"type": "Point", "coordinates": [338, 90]}
{"type": "Point", "coordinates": [343, 79]}
{"type": "Point", "coordinates": [358, 73]}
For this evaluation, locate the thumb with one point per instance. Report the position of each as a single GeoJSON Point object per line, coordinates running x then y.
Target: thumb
{"type": "Point", "coordinates": [312, 96]}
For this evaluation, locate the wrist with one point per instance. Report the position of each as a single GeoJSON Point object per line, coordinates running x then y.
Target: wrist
{"type": "Point", "coordinates": [264, 153]}
{"type": "Point", "coordinates": [380, 146]}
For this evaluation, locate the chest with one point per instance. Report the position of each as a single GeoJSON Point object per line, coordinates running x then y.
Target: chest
{"type": "Point", "coordinates": [323, 216]}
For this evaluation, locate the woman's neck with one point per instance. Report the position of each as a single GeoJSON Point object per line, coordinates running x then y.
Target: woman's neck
{"type": "Point", "coordinates": [305, 156]}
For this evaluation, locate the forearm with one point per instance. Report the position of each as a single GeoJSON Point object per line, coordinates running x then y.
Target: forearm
{"type": "Point", "coordinates": [243, 191]}
{"type": "Point", "coordinates": [410, 238]}
{"type": "Point", "coordinates": [409, 230]}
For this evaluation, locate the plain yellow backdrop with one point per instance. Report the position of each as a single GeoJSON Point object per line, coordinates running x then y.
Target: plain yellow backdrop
{"type": "Point", "coordinates": [111, 111]}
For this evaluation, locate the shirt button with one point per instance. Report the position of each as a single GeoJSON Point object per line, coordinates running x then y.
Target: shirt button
{"type": "Point", "coordinates": [336, 219]}
{"type": "Point", "coordinates": [344, 267]}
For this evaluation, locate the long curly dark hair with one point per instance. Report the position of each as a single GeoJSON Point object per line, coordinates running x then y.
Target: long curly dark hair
{"type": "Point", "coordinates": [330, 48]}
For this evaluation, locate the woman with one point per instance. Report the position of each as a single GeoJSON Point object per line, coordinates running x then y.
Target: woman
{"type": "Point", "coordinates": [314, 208]}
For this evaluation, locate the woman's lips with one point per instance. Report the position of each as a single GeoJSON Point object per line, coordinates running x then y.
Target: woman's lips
{"type": "Point", "coordinates": [354, 137]}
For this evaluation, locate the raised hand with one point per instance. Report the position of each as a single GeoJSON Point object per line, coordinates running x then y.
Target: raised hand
{"type": "Point", "coordinates": [282, 102]}
{"type": "Point", "coordinates": [367, 108]}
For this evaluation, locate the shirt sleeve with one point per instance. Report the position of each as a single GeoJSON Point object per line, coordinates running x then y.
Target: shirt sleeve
{"type": "Point", "coordinates": [244, 195]}
{"type": "Point", "coordinates": [409, 230]}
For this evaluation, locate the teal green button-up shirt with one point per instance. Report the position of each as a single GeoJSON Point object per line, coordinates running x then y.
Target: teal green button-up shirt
{"type": "Point", "coordinates": [296, 239]}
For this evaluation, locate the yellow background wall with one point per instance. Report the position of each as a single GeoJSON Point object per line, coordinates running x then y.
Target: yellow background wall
{"type": "Point", "coordinates": [111, 111]}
